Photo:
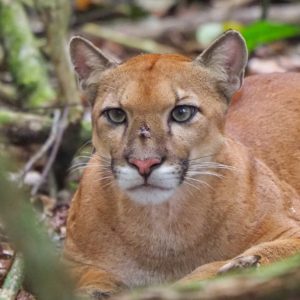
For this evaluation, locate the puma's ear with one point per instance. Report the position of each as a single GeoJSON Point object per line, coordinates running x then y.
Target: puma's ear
{"type": "Point", "coordinates": [88, 60]}
{"type": "Point", "coordinates": [227, 59]}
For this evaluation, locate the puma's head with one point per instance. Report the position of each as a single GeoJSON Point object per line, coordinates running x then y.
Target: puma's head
{"type": "Point", "coordinates": [156, 117]}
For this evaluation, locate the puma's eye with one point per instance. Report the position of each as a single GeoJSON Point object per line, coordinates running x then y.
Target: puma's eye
{"type": "Point", "coordinates": [116, 115]}
{"type": "Point", "coordinates": [183, 113]}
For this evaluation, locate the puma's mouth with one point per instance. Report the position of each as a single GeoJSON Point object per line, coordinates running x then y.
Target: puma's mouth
{"type": "Point", "coordinates": [148, 187]}
{"type": "Point", "coordinates": [156, 188]}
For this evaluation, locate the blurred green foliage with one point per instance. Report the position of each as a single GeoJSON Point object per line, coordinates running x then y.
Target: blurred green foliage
{"type": "Point", "coordinates": [264, 32]}
{"type": "Point", "coordinates": [44, 274]}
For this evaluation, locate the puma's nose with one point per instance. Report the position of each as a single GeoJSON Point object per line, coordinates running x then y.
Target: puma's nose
{"type": "Point", "coordinates": [145, 166]}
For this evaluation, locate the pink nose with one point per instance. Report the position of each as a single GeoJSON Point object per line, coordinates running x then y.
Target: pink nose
{"type": "Point", "coordinates": [144, 166]}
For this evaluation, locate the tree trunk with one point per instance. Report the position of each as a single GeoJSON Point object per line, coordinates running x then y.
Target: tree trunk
{"type": "Point", "coordinates": [24, 59]}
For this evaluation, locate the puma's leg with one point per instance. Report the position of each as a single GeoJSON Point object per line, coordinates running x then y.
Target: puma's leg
{"type": "Point", "coordinates": [96, 283]}
{"type": "Point", "coordinates": [204, 272]}
{"type": "Point", "coordinates": [263, 254]}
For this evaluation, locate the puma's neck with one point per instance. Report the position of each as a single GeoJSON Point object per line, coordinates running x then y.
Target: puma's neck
{"type": "Point", "coordinates": [193, 214]}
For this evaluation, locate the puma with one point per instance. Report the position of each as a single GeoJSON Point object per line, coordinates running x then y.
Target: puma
{"type": "Point", "coordinates": [183, 185]}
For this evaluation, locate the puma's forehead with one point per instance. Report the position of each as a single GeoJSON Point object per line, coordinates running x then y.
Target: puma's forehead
{"type": "Point", "coordinates": [153, 66]}
{"type": "Point", "coordinates": [160, 79]}
{"type": "Point", "coordinates": [149, 61]}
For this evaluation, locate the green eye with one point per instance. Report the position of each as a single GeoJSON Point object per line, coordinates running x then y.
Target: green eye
{"type": "Point", "coordinates": [116, 115]}
{"type": "Point", "coordinates": [183, 113]}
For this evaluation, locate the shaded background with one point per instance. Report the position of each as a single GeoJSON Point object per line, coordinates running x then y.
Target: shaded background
{"type": "Point", "coordinates": [45, 122]}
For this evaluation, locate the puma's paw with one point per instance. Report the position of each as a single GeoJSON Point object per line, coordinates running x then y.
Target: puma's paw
{"type": "Point", "coordinates": [93, 294]}
{"type": "Point", "coordinates": [98, 295]}
{"type": "Point", "coordinates": [241, 262]}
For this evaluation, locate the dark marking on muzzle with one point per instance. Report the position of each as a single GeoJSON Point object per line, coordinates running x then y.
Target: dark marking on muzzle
{"type": "Point", "coordinates": [144, 132]}
{"type": "Point", "coordinates": [185, 167]}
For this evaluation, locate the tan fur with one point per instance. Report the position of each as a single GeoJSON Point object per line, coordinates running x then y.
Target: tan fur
{"type": "Point", "coordinates": [273, 133]}
{"type": "Point", "coordinates": [113, 242]}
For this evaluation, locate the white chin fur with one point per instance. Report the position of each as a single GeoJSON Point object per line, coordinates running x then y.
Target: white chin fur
{"type": "Point", "coordinates": [147, 195]}
{"type": "Point", "coordinates": [162, 183]}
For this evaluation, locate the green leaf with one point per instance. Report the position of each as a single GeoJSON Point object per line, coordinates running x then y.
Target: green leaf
{"type": "Point", "coordinates": [264, 32]}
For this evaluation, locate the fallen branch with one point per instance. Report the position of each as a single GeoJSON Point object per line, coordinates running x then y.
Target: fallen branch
{"type": "Point", "coordinates": [61, 126]}
{"type": "Point", "coordinates": [142, 44]}
{"type": "Point", "coordinates": [22, 128]}
{"type": "Point", "coordinates": [154, 27]}
{"type": "Point", "coordinates": [13, 281]}
{"type": "Point", "coordinates": [276, 281]}
{"type": "Point", "coordinates": [26, 128]}
{"type": "Point", "coordinates": [45, 147]}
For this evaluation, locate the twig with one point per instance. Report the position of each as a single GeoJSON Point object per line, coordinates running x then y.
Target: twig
{"type": "Point", "coordinates": [61, 126]}
{"type": "Point", "coordinates": [265, 9]}
{"type": "Point", "coordinates": [46, 146]}
{"type": "Point", "coordinates": [55, 15]}
{"type": "Point", "coordinates": [13, 280]}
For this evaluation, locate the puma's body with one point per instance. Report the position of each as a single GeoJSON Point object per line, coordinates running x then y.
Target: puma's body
{"type": "Point", "coordinates": [206, 198]}
{"type": "Point", "coordinates": [146, 245]}
{"type": "Point", "coordinates": [265, 116]}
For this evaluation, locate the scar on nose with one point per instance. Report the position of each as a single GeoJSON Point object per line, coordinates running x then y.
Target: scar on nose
{"type": "Point", "coordinates": [144, 132]}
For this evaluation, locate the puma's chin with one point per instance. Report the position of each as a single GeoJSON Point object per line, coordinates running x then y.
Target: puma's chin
{"type": "Point", "coordinates": [150, 195]}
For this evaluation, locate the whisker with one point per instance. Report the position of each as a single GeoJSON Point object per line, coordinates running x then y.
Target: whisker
{"type": "Point", "coordinates": [192, 185]}
{"type": "Point", "coordinates": [84, 156]}
{"type": "Point", "coordinates": [107, 86]}
{"type": "Point", "coordinates": [101, 155]}
{"type": "Point", "coordinates": [74, 167]}
{"type": "Point", "coordinates": [88, 153]}
{"type": "Point", "coordinates": [104, 160]}
{"type": "Point", "coordinates": [85, 164]}
{"type": "Point", "coordinates": [78, 168]}
{"type": "Point", "coordinates": [205, 173]}
{"type": "Point", "coordinates": [100, 180]}
{"type": "Point", "coordinates": [107, 184]}
{"type": "Point", "coordinates": [213, 166]}
{"type": "Point", "coordinates": [79, 164]}
{"type": "Point", "coordinates": [190, 192]}
{"type": "Point", "coordinates": [200, 181]}
{"type": "Point", "coordinates": [204, 163]}
{"type": "Point", "coordinates": [201, 157]}
{"type": "Point", "coordinates": [84, 145]}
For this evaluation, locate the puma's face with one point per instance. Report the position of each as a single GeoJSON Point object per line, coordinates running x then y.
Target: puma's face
{"type": "Point", "coordinates": [155, 118]}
